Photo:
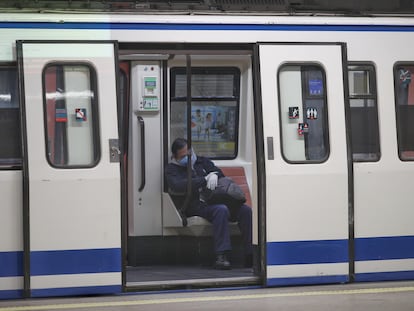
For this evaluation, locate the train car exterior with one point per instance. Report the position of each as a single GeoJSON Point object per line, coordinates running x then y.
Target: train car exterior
{"type": "Point", "coordinates": [315, 112]}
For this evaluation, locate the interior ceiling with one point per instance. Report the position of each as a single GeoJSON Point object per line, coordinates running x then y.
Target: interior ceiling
{"type": "Point", "coordinates": [343, 7]}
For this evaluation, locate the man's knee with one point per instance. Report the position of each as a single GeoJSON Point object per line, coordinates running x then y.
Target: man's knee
{"type": "Point", "coordinates": [245, 211]}
{"type": "Point", "coordinates": [221, 211]}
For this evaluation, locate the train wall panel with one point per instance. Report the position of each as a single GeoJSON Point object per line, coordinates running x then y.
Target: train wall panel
{"type": "Point", "coordinates": [11, 234]}
{"type": "Point", "coordinates": [75, 222]}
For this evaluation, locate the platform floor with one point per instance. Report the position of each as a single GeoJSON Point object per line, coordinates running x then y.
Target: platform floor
{"type": "Point", "coordinates": [386, 296]}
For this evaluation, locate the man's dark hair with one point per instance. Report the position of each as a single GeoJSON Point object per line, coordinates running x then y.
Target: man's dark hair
{"type": "Point", "coordinates": [178, 144]}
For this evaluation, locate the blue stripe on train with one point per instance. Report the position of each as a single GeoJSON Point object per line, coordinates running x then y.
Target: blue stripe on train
{"type": "Point", "coordinates": [206, 26]}
{"type": "Point", "coordinates": [73, 291]}
{"type": "Point", "coordinates": [384, 248]}
{"type": "Point", "coordinates": [11, 264]}
{"type": "Point", "coordinates": [307, 252]}
{"type": "Point", "coordinates": [11, 294]}
{"type": "Point", "coordinates": [327, 279]}
{"type": "Point", "coordinates": [336, 251]}
{"type": "Point", "coordinates": [75, 261]}
{"type": "Point", "coordinates": [384, 276]}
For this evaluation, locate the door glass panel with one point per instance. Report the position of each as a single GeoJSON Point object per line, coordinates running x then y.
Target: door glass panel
{"type": "Point", "coordinates": [303, 113]}
{"type": "Point", "coordinates": [10, 147]}
{"type": "Point", "coordinates": [364, 113]}
{"type": "Point", "coordinates": [70, 101]}
{"type": "Point", "coordinates": [404, 93]}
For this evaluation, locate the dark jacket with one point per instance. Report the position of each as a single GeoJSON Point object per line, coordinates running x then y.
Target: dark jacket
{"type": "Point", "coordinates": [176, 176]}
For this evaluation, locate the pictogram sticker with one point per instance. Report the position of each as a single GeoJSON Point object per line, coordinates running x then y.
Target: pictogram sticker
{"type": "Point", "coordinates": [80, 114]}
{"type": "Point", "coordinates": [293, 112]}
{"type": "Point", "coordinates": [311, 113]}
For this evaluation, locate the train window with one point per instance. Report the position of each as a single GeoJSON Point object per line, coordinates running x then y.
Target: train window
{"type": "Point", "coordinates": [303, 113]}
{"type": "Point", "coordinates": [364, 113]}
{"type": "Point", "coordinates": [404, 101]}
{"type": "Point", "coordinates": [215, 102]}
{"type": "Point", "coordinates": [10, 147]}
{"type": "Point", "coordinates": [70, 100]}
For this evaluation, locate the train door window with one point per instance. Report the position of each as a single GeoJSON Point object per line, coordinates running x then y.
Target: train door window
{"type": "Point", "coordinates": [364, 113]}
{"type": "Point", "coordinates": [10, 147]}
{"type": "Point", "coordinates": [404, 101]}
{"type": "Point", "coordinates": [70, 100]}
{"type": "Point", "coordinates": [303, 113]}
{"type": "Point", "coordinates": [215, 103]}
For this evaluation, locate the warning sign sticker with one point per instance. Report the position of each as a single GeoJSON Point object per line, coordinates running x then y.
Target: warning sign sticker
{"type": "Point", "coordinates": [61, 115]}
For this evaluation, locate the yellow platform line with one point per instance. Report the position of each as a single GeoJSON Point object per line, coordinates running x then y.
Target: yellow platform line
{"type": "Point", "coordinates": [205, 299]}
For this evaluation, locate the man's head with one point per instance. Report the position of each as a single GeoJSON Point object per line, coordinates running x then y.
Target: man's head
{"type": "Point", "coordinates": [179, 149]}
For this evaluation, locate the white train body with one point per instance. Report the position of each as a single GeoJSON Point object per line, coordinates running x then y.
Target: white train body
{"type": "Point", "coordinates": [323, 211]}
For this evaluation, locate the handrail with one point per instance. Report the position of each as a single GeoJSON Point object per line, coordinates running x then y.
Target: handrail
{"type": "Point", "coordinates": [142, 127]}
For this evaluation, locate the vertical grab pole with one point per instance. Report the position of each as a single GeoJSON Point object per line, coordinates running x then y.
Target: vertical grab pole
{"type": "Point", "coordinates": [189, 168]}
{"type": "Point", "coordinates": [188, 71]}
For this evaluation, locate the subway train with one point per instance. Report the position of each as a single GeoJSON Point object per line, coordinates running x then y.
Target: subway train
{"type": "Point", "coordinates": [310, 115]}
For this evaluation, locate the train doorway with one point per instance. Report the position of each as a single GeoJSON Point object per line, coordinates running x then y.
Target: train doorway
{"type": "Point", "coordinates": [163, 249]}
{"type": "Point", "coordinates": [307, 162]}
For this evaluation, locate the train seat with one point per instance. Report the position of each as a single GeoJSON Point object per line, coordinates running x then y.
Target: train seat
{"type": "Point", "coordinates": [196, 225]}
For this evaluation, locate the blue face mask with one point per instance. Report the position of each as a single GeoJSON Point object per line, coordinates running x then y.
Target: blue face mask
{"type": "Point", "coordinates": [183, 161]}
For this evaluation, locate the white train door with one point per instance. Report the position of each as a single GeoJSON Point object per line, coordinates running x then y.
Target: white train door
{"type": "Point", "coordinates": [306, 163]}
{"type": "Point", "coordinates": [72, 177]}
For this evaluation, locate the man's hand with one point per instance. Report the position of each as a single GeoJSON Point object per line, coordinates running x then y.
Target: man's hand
{"type": "Point", "coordinates": [212, 180]}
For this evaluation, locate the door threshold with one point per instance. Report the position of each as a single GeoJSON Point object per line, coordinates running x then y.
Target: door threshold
{"type": "Point", "coordinates": [202, 282]}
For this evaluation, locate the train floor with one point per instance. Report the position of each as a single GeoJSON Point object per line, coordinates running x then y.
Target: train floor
{"type": "Point", "coordinates": [144, 276]}
{"type": "Point", "coordinates": [398, 296]}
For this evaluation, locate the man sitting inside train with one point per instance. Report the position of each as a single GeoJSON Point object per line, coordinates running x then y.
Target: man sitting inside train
{"type": "Point", "coordinates": [205, 175]}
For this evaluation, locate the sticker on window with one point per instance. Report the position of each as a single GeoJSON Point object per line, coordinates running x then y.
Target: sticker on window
{"type": "Point", "coordinates": [80, 114]}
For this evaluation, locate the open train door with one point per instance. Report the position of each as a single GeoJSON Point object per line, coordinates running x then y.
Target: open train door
{"type": "Point", "coordinates": [306, 162]}
{"type": "Point", "coordinates": [72, 213]}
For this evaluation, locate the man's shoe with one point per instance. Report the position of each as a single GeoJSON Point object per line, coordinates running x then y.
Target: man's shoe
{"type": "Point", "coordinates": [222, 263]}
